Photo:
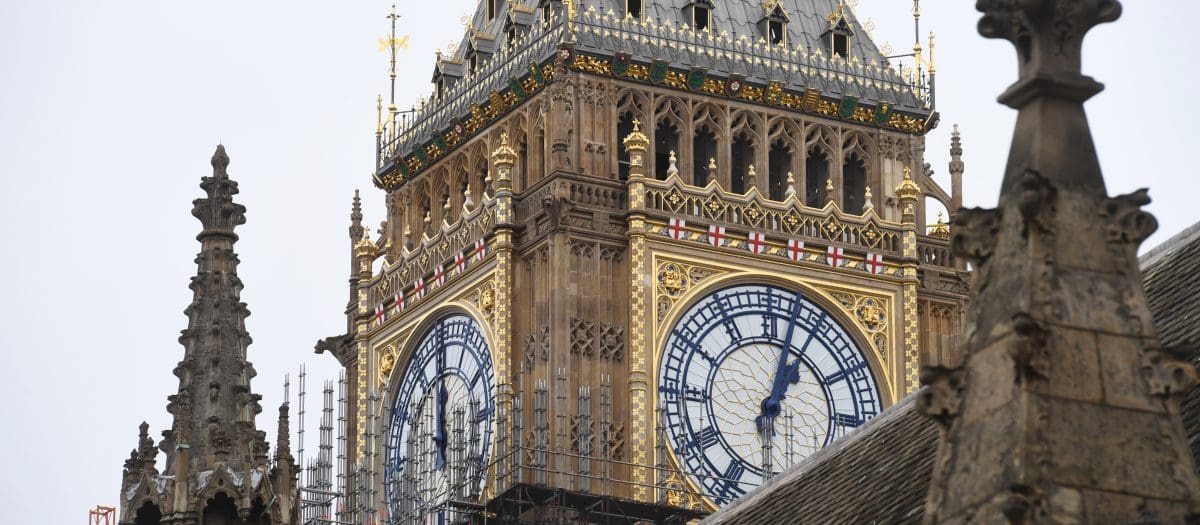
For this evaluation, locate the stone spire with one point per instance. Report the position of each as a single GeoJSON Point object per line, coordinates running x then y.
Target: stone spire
{"type": "Point", "coordinates": [356, 227]}
{"type": "Point", "coordinates": [1066, 407]}
{"type": "Point", "coordinates": [956, 168]}
{"type": "Point", "coordinates": [214, 376]}
{"type": "Point", "coordinates": [213, 445]}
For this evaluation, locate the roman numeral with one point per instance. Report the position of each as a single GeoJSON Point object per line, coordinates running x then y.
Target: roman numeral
{"type": "Point", "coordinates": [847, 421]}
{"type": "Point", "coordinates": [707, 439]}
{"type": "Point", "coordinates": [695, 394]}
{"type": "Point", "coordinates": [733, 473]}
{"type": "Point", "coordinates": [841, 374]}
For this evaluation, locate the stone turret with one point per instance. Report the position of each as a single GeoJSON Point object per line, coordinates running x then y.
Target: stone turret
{"type": "Point", "coordinates": [217, 461]}
{"type": "Point", "coordinates": [1066, 408]}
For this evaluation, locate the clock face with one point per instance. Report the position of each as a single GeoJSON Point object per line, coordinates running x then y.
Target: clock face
{"type": "Point", "coordinates": [755, 378]}
{"type": "Point", "coordinates": [440, 429]}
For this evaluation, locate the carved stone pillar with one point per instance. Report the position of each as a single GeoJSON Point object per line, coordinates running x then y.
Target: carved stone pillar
{"type": "Point", "coordinates": [1066, 407]}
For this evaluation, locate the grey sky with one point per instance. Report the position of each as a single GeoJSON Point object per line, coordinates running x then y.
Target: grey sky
{"type": "Point", "coordinates": [109, 112]}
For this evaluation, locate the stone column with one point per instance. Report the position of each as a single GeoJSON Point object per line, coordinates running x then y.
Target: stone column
{"type": "Point", "coordinates": [641, 412]}
{"type": "Point", "coordinates": [1066, 407]}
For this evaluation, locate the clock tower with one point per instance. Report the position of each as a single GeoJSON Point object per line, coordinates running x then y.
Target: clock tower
{"type": "Point", "coordinates": [638, 258]}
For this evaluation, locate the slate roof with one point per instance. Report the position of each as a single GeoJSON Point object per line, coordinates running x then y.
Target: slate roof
{"type": "Point", "coordinates": [731, 48]}
{"type": "Point", "coordinates": [1171, 273]}
{"type": "Point", "coordinates": [880, 473]}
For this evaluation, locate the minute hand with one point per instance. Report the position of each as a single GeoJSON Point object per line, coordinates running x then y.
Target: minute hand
{"type": "Point", "coordinates": [784, 373]}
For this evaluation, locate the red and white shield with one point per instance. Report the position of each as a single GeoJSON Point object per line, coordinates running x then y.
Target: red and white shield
{"type": "Point", "coordinates": [716, 235]}
{"type": "Point", "coordinates": [875, 263]}
{"type": "Point", "coordinates": [439, 275]}
{"type": "Point", "coordinates": [379, 314]}
{"type": "Point", "coordinates": [460, 263]}
{"type": "Point", "coordinates": [756, 242]}
{"type": "Point", "coordinates": [480, 249]}
{"type": "Point", "coordinates": [400, 301]}
{"type": "Point", "coordinates": [835, 256]}
{"type": "Point", "coordinates": [795, 250]}
{"type": "Point", "coordinates": [419, 287]}
{"type": "Point", "coordinates": [677, 229]}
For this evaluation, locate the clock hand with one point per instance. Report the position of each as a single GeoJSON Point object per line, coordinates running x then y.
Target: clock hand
{"type": "Point", "coordinates": [439, 434]}
{"type": "Point", "coordinates": [784, 374]}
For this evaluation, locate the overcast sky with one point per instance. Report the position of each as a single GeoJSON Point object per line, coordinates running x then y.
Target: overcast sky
{"type": "Point", "coordinates": [109, 112]}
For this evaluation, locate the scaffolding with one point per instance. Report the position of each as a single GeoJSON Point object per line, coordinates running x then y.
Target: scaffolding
{"type": "Point", "coordinates": [557, 461]}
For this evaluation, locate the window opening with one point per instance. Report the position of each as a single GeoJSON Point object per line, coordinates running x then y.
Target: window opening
{"type": "Point", "coordinates": [666, 140]}
{"type": "Point", "coordinates": [854, 184]}
{"type": "Point", "coordinates": [633, 8]}
{"type": "Point", "coordinates": [841, 45]}
{"type": "Point", "coordinates": [775, 32]}
{"type": "Point", "coordinates": [742, 156]}
{"type": "Point", "coordinates": [701, 18]}
{"type": "Point", "coordinates": [780, 162]}
{"type": "Point", "coordinates": [704, 148]}
{"type": "Point", "coordinates": [816, 168]}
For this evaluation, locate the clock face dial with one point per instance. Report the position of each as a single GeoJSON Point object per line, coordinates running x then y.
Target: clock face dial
{"type": "Point", "coordinates": [755, 378]}
{"type": "Point", "coordinates": [441, 422]}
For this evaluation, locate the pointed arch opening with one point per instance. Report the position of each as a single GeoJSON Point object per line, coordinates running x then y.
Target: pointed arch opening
{"type": "Point", "coordinates": [779, 161]}
{"type": "Point", "coordinates": [704, 151]}
{"type": "Point", "coordinates": [666, 140]}
{"type": "Point", "coordinates": [816, 170]}
{"type": "Point", "coordinates": [854, 184]}
{"type": "Point", "coordinates": [148, 514]}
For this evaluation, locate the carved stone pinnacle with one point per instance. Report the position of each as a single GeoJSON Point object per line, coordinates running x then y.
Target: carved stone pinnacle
{"type": "Point", "coordinates": [1048, 35]}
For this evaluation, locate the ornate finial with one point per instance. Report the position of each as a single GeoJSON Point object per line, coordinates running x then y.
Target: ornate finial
{"type": "Point", "coordinates": [220, 162]}
{"type": "Point", "coordinates": [941, 228]}
{"type": "Point", "coordinates": [751, 177]}
{"type": "Point", "coordinates": [365, 247]}
{"type": "Point", "coordinates": [217, 211]}
{"type": "Point", "coordinates": [504, 158]}
{"type": "Point", "coordinates": [932, 64]}
{"type": "Point", "coordinates": [671, 168]}
{"type": "Point", "coordinates": [467, 202]}
{"type": "Point", "coordinates": [868, 199]}
{"type": "Point", "coordinates": [1048, 35]}
{"type": "Point", "coordinates": [791, 185]}
{"type": "Point", "coordinates": [829, 186]}
{"type": "Point", "coordinates": [908, 189]}
{"type": "Point", "coordinates": [712, 171]}
{"type": "Point", "coordinates": [378, 115]}
{"type": "Point", "coordinates": [636, 144]}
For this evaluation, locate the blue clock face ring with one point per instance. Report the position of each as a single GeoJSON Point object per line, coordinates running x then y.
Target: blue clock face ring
{"type": "Point", "coordinates": [754, 378]}
{"type": "Point", "coordinates": [440, 428]}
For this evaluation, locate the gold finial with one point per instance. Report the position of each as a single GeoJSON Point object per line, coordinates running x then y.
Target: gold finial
{"type": "Point", "coordinates": [379, 115]}
{"type": "Point", "coordinates": [940, 228]}
{"type": "Point", "coordinates": [829, 185]}
{"type": "Point", "coordinates": [751, 177]}
{"type": "Point", "coordinates": [636, 144]}
{"type": "Point", "coordinates": [672, 169]}
{"type": "Point", "coordinates": [791, 185]}
{"type": "Point", "coordinates": [908, 189]}
{"type": "Point", "coordinates": [867, 199]}
{"type": "Point", "coordinates": [712, 163]}
{"type": "Point", "coordinates": [932, 66]}
{"type": "Point", "coordinates": [364, 247]}
{"type": "Point", "coordinates": [504, 157]}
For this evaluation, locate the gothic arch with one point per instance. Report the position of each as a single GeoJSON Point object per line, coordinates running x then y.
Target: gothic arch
{"type": "Point", "coordinates": [667, 134]}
